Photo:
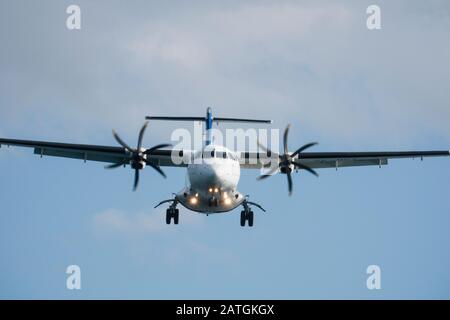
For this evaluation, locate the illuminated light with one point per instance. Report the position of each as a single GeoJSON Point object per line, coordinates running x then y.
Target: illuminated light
{"type": "Point", "coordinates": [225, 195]}
{"type": "Point", "coordinates": [196, 195]}
{"type": "Point", "coordinates": [227, 201]}
{"type": "Point", "coordinates": [216, 190]}
{"type": "Point", "coordinates": [193, 200]}
{"type": "Point", "coordinates": [210, 190]}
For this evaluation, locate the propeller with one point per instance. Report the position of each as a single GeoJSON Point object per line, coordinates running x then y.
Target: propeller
{"type": "Point", "coordinates": [139, 155]}
{"type": "Point", "coordinates": [288, 161]}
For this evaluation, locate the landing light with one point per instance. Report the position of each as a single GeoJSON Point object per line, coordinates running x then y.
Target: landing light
{"type": "Point", "coordinates": [216, 190]}
{"type": "Point", "coordinates": [193, 200]}
{"type": "Point", "coordinates": [227, 201]}
{"type": "Point", "coordinates": [210, 190]}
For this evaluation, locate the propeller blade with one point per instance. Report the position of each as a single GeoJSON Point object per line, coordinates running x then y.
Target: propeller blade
{"type": "Point", "coordinates": [263, 147]}
{"type": "Point", "coordinates": [121, 142]}
{"type": "Point", "coordinates": [302, 166]}
{"type": "Point", "coordinates": [268, 152]}
{"type": "Point", "coordinates": [115, 165]}
{"type": "Point", "coordinates": [268, 174]}
{"type": "Point", "coordinates": [136, 179]}
{"type": "Point", "coordinates": [306, 146]}
{"type": "Point", "coordinates": [264, 176]}
{"type": "Point", "coordinates": [157, 168]}
{"type": "Point", "coordinates": [141, 135]}
{"type": "Point", "coordinates": [285, 139]}
{"type": "Point", "coordinates": [159, 146]}
{"type": "Point", "coordinates": [289, 178]}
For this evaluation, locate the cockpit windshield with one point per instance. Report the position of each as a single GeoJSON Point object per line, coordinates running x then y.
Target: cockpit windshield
{"type": "Point", "coordinates": [208, 154]}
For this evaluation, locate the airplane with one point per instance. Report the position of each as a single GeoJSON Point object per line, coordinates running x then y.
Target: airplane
{"type": "Point", "coordinates": [213, 172]}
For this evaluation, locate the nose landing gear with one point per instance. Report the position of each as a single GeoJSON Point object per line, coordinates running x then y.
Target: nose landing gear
{"type": "Point", "coordinates": [213, 202]}
{"type": "Point", "coordinates": [247, 214]}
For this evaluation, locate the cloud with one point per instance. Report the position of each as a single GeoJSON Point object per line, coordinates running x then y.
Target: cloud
{"type": "Point", "coordinates": [167, 244]}
{"type": "Point", "coordinates": [114, 221]}
{"type": "Point", "coordinates": [172, 47]}
{"type": "Point", "coordinates": [314, 63]}
{"type": "Point", "coordinates": [13, 153]}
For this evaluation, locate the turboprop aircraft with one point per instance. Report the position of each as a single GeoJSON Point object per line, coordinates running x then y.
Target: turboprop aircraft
{"type": "Point", "coordinates": [213, 172]}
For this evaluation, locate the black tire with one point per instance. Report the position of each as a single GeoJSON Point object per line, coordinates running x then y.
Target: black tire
{"type": "Point", "coordinates": [176, 216]}
{"type": "Point", "coordinates": [250, 219]}
{"type": "Point", "coordinates": [243, 218]}
{"type": "Point", "coordinates": [168, 217]}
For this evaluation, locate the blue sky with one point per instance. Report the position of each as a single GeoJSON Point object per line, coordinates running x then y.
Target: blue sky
{"type": "Point", "coordinates": [312, 64]}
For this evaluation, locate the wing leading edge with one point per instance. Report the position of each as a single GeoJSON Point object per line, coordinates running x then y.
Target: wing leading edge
{"type": "Point", "coordinates": [321, 160]}
{"type": "Point", "coordinates": [87, 152]}
{"type": "Point", "coordinates": [248, 160]}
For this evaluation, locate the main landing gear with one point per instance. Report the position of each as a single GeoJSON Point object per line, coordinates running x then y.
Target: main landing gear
{"type": "Point", "coordinates": [172, 212]}
{"type": "Point", "coordinates": [247, 214]}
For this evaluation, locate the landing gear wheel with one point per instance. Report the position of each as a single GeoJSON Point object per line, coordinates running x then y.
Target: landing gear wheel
{"type": "Point", "coordinates": [247, 213]}
{"type": "Point", "coordinates": [250, 219]}
{"type": "Point", "coordinates": [243, 218]}
{"type": "Point", "coordinates": [172, 213]}
{"type": "Point", "coordinates": [247, 216]}
{"type": "Point", "coordinates": [176, 216]}
{"type": "Point", "coordinates": [168, 216]}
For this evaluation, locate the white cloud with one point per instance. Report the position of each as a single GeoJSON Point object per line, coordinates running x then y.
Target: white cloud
{"type": "Point", "coordinates": [113, 221]}
{"type": "Point", "coordinates": [310, 63]}
{"type": "Point", "coordinates": [168, 244]}
{"type": "Point", "coordinates": [317, 62]}
{"type": "Point", "coordinates": [276, 21]}
{"type": "Point", "coordinates": [170, 46]}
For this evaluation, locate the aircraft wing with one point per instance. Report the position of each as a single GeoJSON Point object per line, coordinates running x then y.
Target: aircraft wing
{"type": "Point", "coordinates": [249, 160]}
{"type": "Point", "coordinates": [320, 160]}
{"type": "Point", "coordinates": [86, 152]}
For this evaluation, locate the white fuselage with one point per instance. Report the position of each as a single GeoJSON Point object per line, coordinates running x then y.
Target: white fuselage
{"type": "Point", "coordinates": [212, 179]}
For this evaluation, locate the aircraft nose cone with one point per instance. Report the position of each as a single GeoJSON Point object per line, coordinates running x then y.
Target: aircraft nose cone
{"type": "Point", "coordinates": [212, 174]}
